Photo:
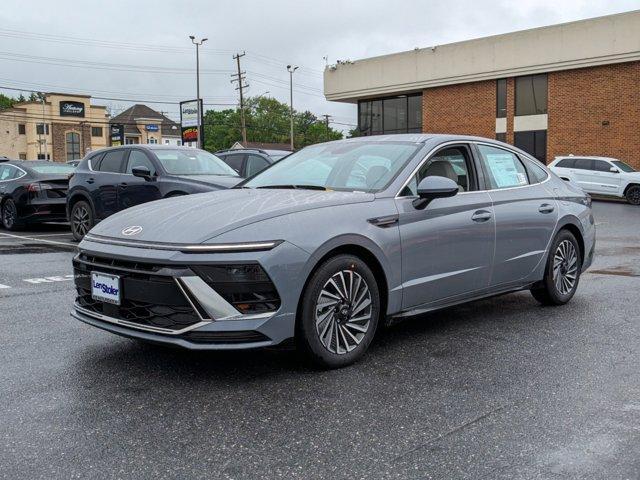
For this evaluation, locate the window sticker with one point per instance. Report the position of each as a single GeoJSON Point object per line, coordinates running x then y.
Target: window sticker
{"type": "Point", "coordinates": [504, 170]}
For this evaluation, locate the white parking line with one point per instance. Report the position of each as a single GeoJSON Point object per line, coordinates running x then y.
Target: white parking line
{"type": "Point", "coordinates": [35, 239]}
{"type": "Point", "coordinates": [61, 234]}
{"type": "Point", "coordinates": [4, 286]}
{"type": "Point", "coordinates": [54, 278]}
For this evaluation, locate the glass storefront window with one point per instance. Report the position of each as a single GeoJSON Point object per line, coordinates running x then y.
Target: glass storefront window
{"type": "Point", "coordinates": [401, 114]}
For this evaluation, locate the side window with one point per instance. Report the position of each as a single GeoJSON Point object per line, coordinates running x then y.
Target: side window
{"type": "Point", "coordinates": [255, 164]}
{"type": "Point", "coordinates": [6, 172]}
{"type": "Point", "coordinates": [112, 161]}
{"type": "Point", "coordinates": [504, 169]}
{"type": "Point", "coordinates": [452, 162]}
{"type": "Point", "coordinates": [601, 166]}
{"type": "Point", "coordinates": [234, 160]}
{"type": "Point", "coordinates": [139, 159]}
{"type": "Point", "coordinates": [566, 163]}
{"type": "Point", "coordinates": [537, 174]}
{"type": "Point", "coordinates": [94, 162]}
{"type": "Point", "coordinates": [583, 164]}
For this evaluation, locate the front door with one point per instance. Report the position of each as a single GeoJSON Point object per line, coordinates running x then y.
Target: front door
{"type": "Point", "coordinates": [608, 182]}
{"type": "Point", "coordinates": [447, 248]}
{"type": "Point", "coordinates": [136, 190]}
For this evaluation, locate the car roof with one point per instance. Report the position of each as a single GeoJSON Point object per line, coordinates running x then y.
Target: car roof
{"type": "Point", "coordinates": [588, 157]}
{"type": "Point", "coordinates": [143, 146]}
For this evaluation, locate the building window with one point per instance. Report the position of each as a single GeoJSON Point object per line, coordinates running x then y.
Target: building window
{"type": "Point", "coordinates": [533, 142]}
{"type": "Point", "coordinates": [96, 131]}
{"type": "Point", "coordinates": [22, 129]}
{"type": "Point", "coordinates": [73, 145]}
{"type": "Point", "coordinates": [152, 141]}
{"type": "Point", "coordinates": [501, 137]}
{"type": "Point", "coordinates": [179, 143]}
{"type": "Point", "coordinates": [166, 142]}
{"type": "Point", "coordinates": [501, 98]}
{"type": "Point", "coordinates": [531, 95]}
{"type": "Point", "coordinates": [401, 114]}
{"type": "Point", "coordinates": [42, 129]}
{"type": "Point", "coordinates": [42, 156]}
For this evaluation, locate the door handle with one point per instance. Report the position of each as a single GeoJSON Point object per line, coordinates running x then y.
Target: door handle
{"type": "Point", "coordinates": [481, 216]}
{"type": "Point", "coordinates": [90, 180]}
{"type": "Point", "coordinates": [546, 208]}
{"type": "Point", "coordinates": [123, 185]}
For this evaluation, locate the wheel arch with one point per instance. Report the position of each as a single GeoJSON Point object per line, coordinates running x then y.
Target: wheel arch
{"type": "Point", "coordinates": [572, 224]}
{"type": "Point", "coordinates": [629, 185]}
{"type": "Point", "coordinates": [77, 197]}
{"type": "Point", "coordinates": [357, 246]}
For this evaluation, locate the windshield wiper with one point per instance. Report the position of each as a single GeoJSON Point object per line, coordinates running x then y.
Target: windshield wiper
{"type": "Point", "coordinates": [295, 187]}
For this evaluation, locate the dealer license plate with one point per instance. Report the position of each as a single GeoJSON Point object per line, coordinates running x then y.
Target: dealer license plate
{"type": "Point", "coordinates": [105, 287]}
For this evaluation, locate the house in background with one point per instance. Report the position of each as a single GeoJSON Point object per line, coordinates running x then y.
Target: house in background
{"type": "Point", "coordinates": [143, 124]}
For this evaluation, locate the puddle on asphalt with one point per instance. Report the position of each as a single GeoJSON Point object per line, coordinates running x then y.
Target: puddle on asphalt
{"type": "Point", "coordinates": [31, 248]}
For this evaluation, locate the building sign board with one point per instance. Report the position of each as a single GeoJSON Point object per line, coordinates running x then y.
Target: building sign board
{"type": "Point", "coordinates": [71, 109]}
{"type": "Point", "coordinates": [189, 121]}
{"type": "Point", "coordinates": [117, 135]}
{"type": "Point", "coordinates": [152, 128]}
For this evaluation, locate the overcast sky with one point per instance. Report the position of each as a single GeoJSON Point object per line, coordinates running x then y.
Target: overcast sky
{"type": "Point", "coordinates": [140, 50]}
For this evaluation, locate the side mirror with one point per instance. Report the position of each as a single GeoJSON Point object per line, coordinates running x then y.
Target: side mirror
{"type": "Point", "coordinates": [614, 170]}
{"type": "Point", "coordinates": [142, 172]}
{"type": "Point", "coordinates": [433, 187]}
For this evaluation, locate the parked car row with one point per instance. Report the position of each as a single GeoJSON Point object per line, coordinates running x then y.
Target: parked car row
{"type": "Point", "coordinates": [109, 180]}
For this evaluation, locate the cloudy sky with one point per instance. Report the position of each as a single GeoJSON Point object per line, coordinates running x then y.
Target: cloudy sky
{"type": "Point", "coordinates": [140, 51]}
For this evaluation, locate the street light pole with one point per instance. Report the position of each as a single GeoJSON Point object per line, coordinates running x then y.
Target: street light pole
{"type": "Point", "coordinates": [199, 121]}
{"type": "Point", "coordinates": [291, 69]}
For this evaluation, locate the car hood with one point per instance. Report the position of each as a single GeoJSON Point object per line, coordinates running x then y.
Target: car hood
{"type": "Point", "coordinates": [222, 181]}
{"type": "Point", "coordinates": [200, 217]}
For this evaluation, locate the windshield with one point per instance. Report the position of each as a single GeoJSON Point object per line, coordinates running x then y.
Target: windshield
{"type": "Point", "coordinates": [193, 162]}
{"type": "Point", "coordinates": [623, 166]}
{"type": "Point", "coordinates": [61, 169]}
{"type": "Point", "coordinates": [347, 166]}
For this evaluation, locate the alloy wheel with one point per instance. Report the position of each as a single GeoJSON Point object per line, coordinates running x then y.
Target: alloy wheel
{"type": "Point", "coordinates": [343, 312]}
{"type": "Point", "coordinates": [9, 214]}
{"type": "Point", "coordinates": [633, 196]}
{"type": "Point", "coordinates": [565, 267]}
{"type": "Point", "coordinates": [80, 220]}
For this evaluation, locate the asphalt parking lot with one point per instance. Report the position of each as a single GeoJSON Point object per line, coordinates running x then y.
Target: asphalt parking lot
{"type": "Point", "coordinates": [498, 389]}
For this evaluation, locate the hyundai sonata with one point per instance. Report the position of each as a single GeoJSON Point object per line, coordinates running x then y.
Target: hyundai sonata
{"type": "Point", "coordinates": [333, 241]}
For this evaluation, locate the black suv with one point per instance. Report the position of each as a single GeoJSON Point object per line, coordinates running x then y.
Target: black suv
{"type": "Point", "coordinates": [115, 178]}
{"type": "Point", "coordinates": [247, 162]}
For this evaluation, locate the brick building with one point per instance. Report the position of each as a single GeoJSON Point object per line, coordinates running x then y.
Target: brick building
{"type": "Point", "coordinates": [572, 88]}
{"type": "Point", "coordinates": [59, 127]}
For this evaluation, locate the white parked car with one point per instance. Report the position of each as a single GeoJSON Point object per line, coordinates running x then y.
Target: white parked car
{"type": "Point", "coordinates": [600, 176]}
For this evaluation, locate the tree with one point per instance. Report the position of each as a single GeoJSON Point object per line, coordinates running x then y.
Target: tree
{"type": "Point", "coordinates": [267, 120]}
{"type": "Point", "coordinates": [6, 102]}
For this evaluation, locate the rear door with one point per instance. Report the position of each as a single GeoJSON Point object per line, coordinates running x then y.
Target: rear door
{"type": "Point", "coordinates": [525, 214]}
{"type": "Point", "coordinates": [104, 191]}
{"type": "Point", "coordinates": [582, 173]}
{"type": "Point", "coordinates": [134, 190]}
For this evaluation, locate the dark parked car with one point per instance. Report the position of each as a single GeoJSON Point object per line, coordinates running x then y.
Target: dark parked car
{"type": "Point", "coordinates": [248, 162]}
{"type": "Point", "coordinates": [32, 192]}
{"type": "Point", "coordinates": [112, 179]}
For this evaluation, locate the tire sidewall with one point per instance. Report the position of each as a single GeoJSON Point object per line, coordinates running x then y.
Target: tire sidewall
{"type": "Point", "coordinates": [555, 295]}
{"type": "Point", "coordinates": [307, 335]}
{"type": "Point", "coordinates": [77, 205]}
{"type": "Point", "coordinates": [631, 189]}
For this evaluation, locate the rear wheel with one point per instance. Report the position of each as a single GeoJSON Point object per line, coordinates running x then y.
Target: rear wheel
{"type": "Point", "coordinates": [9, 213]}
{"type": "Point", "coordinates": [81, 219]}
{"type": "Point", "coordinates": [633, 195]}
{"type": "Point", "coordinates": [562, 273]}
{"type": "Point", "coordinates": [340, 312]}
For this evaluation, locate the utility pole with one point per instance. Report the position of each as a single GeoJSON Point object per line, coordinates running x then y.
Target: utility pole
{"type": "Point", "coordinates": [291, 69]}
{"type": "Point", "coordinates": [326, 124]}
{"type": "Point", "coordinates": [197, 44]}
{"type": "Point", "coordinates": [44, 126]}
{"type": "Point", "coordinates": [240, 78]}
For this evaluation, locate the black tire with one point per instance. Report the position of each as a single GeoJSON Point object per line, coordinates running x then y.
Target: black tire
{"type": "Point", "coordinates": [356, 328]}
{"type": "Point", "coordinates": [554, 290]}
{"type": "Point", "coordinates": [9, 213]}
{"type": "Point", "coordinates": [633, 195]}
{"type": "Point", "coordinates": [81, 219]}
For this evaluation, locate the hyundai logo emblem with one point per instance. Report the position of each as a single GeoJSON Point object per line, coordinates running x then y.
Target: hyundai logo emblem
{"type": "Point", "coordinates": [132, 230]}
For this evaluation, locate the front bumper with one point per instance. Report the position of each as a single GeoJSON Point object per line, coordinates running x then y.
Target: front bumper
{"type": "Point", "coordinates": [198, 317]}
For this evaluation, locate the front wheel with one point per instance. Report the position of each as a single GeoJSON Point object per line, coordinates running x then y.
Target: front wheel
{"type": "Point", "coordinates": [562, 272]}
{"type": "Point", "coordinates": [633, 195]}
{"type": "Point", "coordinates": [81, 219]}
{"type": "Point", "coordinates": [340, 312]}
{"type": "Point", "coordinates": [9, 213]}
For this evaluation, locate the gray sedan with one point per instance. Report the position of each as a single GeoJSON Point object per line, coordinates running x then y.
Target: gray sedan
{"type": "Point", "coordinates": [333, 241]}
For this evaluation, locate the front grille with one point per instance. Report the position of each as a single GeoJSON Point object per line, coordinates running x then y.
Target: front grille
{"type": "Point", "coordinates": [146, 299]}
